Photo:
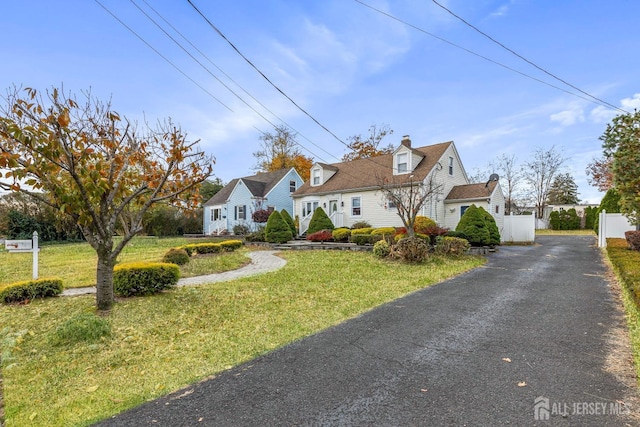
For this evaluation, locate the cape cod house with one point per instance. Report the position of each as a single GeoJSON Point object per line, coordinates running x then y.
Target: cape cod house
{"type": "Point", "coordinates": [350, 191]}
{"type": "Point", "coordinates": [235, 203]}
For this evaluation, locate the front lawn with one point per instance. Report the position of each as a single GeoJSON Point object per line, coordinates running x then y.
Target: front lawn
{"type": "Point", "coordinates": [75, 263]}
{"type": "Point", "coordinates": [162, 343]}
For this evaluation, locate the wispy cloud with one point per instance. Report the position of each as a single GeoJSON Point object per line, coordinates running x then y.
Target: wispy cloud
{"type": "Point", "coordinates": [569, 117]}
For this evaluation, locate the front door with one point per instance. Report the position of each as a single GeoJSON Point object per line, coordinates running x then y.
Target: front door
{"type": "Point", "coordinates": [333, 206]}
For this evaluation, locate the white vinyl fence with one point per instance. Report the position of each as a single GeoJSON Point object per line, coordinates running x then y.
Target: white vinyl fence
{"type": "Point", "coordinates": [519, 228]}
{"type": "Point", "coordinates": [612, 225]}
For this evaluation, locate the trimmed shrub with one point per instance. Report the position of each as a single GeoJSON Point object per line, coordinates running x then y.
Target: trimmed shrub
{"type": "Point", "coordinates": [494, 232]}
{"type": "Point", "coordinates": [366, 230]}
{"type": "Point", "coordinates": [341, 234]}
{"type": "Point", "coordinates": [176, 256]}
{"type": "Point", "coordinates": [633, 239]}
{"type": "Point", "coordinates": [365, 239]}
{"type": "Point", "coordinates": [207, 248]}
{"type": "Point", "coordinates": [144, 278]}
{"type": "Point", "coordinates": [256, 236]}
{"type": "Point", "coordinates": [189, 249]}
{"type": "Point", "coordinates": [319, 221]}
{"type": "Point", "coordinates": [320, 236]}
{"type": "Point", "coordinates": [19, 292]}
{"type": "Point", "coordinates": [412, 249]}
{"type": "Point", "coordinates": [452, 246]}
{"type": "Point", "coordinates": [384, 231]}
{"type": "Point", "coordinates": [381, 249]}
{"type": "Point", "coordinates": [422, 224]}
{"type": "Point", "coordinates": [83, 327]}
{"type": "Point", "coordinates": [474, 226]}
{"type": "Point", "coordinates": [287, 218]}
{"type": "Point", "coordinates": [277, 230]}
{"type": "Point", "coordinates": [231, 245]}
{"type": "Point", "coordinates": [360, 224]}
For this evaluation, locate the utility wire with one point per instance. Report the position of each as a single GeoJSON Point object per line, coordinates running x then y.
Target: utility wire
{"type": "Point", "coordinates": [162, 56]}
{"type": "Point", "coordinates": [263, 75]}
{"type": "Point", "coordinates": [227, 76]}
{"type": "Point", "coordinates": [526, 60]}
{"type": "Point", "coordinates": [506, 67]}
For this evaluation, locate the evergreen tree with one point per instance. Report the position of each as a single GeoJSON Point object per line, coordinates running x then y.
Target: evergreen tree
{"type": "Point", "coordinates": [319, 221]}
{"type": "Point", "coordinates": [474, 226]}
{"type": "Point", "coordinates": [289, 220]}
{"type": "Point", "coordinates": [277, 230]}
{"type": "Point", "coordinates": [494, 232]}
{"type": "Point", "coordinates": [610, 203]}
{"type": "Point", "coordinates": [563, 191]}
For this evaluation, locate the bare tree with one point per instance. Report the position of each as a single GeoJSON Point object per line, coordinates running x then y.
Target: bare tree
{"type": "Point", "coordinates": [539, 174]}
{"type": "Point", "coordinates": [510, 178]}
{"type": "Point", "coordinates": [364, 148]}
{"type": "Point", "coordinates": [408, 196]}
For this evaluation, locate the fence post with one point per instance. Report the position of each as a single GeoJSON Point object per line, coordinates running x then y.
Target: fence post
{"type": "Point", "coordinates": [602, 229]}
{"type": "Point", "coordinates": [35, 251]}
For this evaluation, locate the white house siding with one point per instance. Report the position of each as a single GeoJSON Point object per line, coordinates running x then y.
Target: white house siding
{"type": "Point", "coordinates": [208, 225]}
{"type": "Point", "coordinates": [439, 212]}
{"type": "Point", "coordinates": [280, 197]}
{"type": "Point", "coordinates": [498, 199]}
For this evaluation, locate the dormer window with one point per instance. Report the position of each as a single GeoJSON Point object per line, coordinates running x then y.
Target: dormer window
{"type": "Point", "coordinates": [316, 176]}
{"type": "Point", "coordinates": [402, 162]}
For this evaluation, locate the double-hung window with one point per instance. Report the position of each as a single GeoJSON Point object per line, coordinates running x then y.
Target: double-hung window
{"type": "Point", "coordinates": [403, 165]}
{"type": "Point", "coordinates": [356, 206]}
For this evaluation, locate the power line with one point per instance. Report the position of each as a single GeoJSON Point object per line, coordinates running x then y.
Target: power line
{"type": "Point", "coordinates": [526, 60]}
{"type": "Point", "coordinates": [263, 75]}
{"type": "Point", "coordinates": [162, 56]}
{"type": "Point", "coordinates": [506, 67]}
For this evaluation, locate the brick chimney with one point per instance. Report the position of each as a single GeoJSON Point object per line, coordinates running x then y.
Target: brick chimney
{"type": "Point", "coordinates": [406, 141]}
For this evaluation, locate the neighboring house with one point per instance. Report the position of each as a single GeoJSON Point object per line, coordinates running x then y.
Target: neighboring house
{"type": "Point", "coordinates": [235, 203]}
{"type": "Point", "coordinates": [349, 191]}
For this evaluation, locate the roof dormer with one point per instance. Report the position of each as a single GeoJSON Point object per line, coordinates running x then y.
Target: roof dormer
{"type": "Point", "coordinates": [405, 159]}
{"type": "Point", "coordinates": [321, 173]}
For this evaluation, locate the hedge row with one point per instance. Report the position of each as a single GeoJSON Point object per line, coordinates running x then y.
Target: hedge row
{"type": "Point", "coordinates": [144, 278]}
{"type": "Point", "coordinates": [30, 289]}
{"type": "Point", "coordinates": [212, 248]}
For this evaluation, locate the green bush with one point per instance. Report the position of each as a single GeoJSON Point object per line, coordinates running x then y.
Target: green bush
{"type": "Point", "coordinates": [366, 230]}
{"type": "Point", "coordinates": [474, 226]}
{"type": "Point", "coordinates": [590, 213]}
{"type": "Point", "coordinates": [144, 278]}
{"type": "Point", "coordinates": [256, 236]}
{"type": "Point", "coordinates": [412, 249]}
{"type": "Point", "coordinates": [360, 224]}
{"type": "Point", "coordinates": [564, 220]}
{"type": "Point", "coordinates": [381, 249]}
{"type": "Point", "coordinates": [189, 249]}
{"type": "Point", "coordinates": [389, 231]}
{"type": "Point", "coordinates": [341, 234]}
{"type": "Point", "coordinates": [241, 229]}
{"type": "Point", "coordinates": [176, 256]}
{"type": "Point", "coordinates": [81, 328]}
{"type": "Point", "coordinates": [277, 230]}
{"type": "Point", "coordinates": [422, 224]}
{"type": "Point", "coordinates": [611, 203]}
{"type": "Point", "coordinates": [30, 289]}
{"type": "Point", "coordinates": [207, 248]}
{"type": "Point", "coordinates": [494, 232]}
{"type": "Point", "coordinates": [452, 246]}
{"type": "Point", "coordinates": [287, 218]}
{"type": "Point", "coordinates": [365, 239]}
{"type": "Point", "coordinates": [454, 233]}
{"type": "Point", "coordinates": [231, 245]}
{"type": "Point", "coordinates": [319, 221]}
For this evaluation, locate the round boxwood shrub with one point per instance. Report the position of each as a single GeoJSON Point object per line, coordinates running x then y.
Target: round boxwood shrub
{"type": "Point", "coordinates": [287, 218]}
{"type": "Point", "coordinates": [19, 292]}
{"type": "Point", "coordinates": [381, 249]}
{"type": "Point", "coordinates": [231, 245]}
{"type": "Point", "coordinates": [474, 226]}
{"type": "Point", "coordinates": [365, 230]}
{"type": "Point", "coordinates": [388, 231]}
{"type": "Point", "coordinates": [341, 234]}
{"type": "Point", "coordinates": [144, 278]}
{"type": "Point", "coordinates": [277, 230]}
{"type": "Point", "coordinates": [319, 221]}
{"type": "Point", "coordinates": [83, 327]}
{"type": "Point", "coordinates": [176, 256]}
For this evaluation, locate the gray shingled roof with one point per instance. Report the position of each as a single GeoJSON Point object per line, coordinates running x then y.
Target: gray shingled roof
{"type": "Point", "coordinates": [259, 185]}
{"type": "Point", "coordinates": [368, 173]}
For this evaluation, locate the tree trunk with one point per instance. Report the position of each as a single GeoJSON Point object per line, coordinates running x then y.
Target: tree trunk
{"type": "Point", "coordinates": [104, 281]}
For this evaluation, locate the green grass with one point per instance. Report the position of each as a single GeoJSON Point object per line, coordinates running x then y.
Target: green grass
{"type": "Point", "coordinates": [162, 343]}
{"type": "Point", "coordinates": [626, 265]}
{"type": "Point", "coordinates": [549, 232]}
{"type": "Point", "coordinates": [75, 263]}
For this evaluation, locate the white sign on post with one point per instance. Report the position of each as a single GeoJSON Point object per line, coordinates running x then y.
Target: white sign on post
{"type": "Point", "coordinates": [26, 246]}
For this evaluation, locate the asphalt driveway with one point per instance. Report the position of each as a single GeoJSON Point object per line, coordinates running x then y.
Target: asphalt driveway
{"type": "Point", "coordinates": [526, 340]}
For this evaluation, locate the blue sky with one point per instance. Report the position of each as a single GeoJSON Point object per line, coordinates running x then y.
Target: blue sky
{"type": "Point", "coordinates": [348, 66]}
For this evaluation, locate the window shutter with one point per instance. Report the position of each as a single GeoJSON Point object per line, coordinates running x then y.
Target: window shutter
{"type": "Point", "coordinates": [235, 213]}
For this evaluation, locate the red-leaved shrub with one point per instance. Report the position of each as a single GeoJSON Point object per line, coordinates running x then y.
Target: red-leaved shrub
{"type": "Point", "coordinates": [633, 239]}
{"type": "Point", "coordinates": [320, 236]}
